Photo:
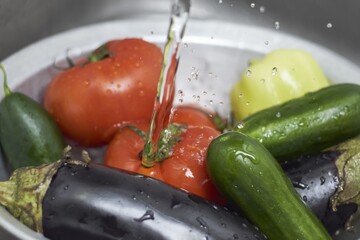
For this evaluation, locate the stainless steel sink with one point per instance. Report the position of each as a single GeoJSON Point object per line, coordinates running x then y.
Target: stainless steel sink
{"type": "Point", "coordinates": [333, 24]}
{"type": "Point", "coordinates": [327, 29]}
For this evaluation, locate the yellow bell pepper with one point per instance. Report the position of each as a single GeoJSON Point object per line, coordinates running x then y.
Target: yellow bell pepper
{"type": "Point", "coordinates": [281, 75]}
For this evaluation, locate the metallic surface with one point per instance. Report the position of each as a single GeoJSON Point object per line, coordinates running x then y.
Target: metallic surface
{"type": "Point", "coordinates": [25, 21]}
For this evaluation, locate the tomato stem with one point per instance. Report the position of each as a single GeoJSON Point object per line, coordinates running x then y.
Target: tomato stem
{"type": "Point", "coordinates": [7, 90]}
{"type": "Point", "coordinates": [169, 137]}
{"type": "Point", "coordinates": [138, 131]}
{"type": "Point", "coordinates": [99, 54]}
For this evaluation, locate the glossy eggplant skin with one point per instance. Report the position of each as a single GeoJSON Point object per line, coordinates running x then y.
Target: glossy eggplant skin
{"type": "Point", "coordinates": [315, 178]}
{"type": "Point", "coordinates": [97, 202]}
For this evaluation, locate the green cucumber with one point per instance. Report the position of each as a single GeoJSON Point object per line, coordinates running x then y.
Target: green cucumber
{"type": "Point", "coordinates": [307, 124]}
{"type": "Point", "coordinates": [28, 134]}
{"type": "Point", "coordinates": [249, 176]}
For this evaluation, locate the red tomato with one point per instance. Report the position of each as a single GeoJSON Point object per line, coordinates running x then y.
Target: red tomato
{"type": "Point", "coordinates": [193, 116]}
{"type": "Point", "coordinates": [184, 169]}
{"type": "Point", "coordinates": [90, 101]}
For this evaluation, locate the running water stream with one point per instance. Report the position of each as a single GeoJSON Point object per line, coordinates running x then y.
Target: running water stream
{"type": "Point", "coordinates": [166, 85]}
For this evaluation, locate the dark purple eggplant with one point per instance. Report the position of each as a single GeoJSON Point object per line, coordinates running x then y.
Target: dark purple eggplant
{"type": "Point", "coordinates": [316, 178]}
{"type": "Point", "coordinates": [90, 201]}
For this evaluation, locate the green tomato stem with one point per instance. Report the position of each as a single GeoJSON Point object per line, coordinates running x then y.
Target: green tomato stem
{"type": "Point", "coordinates": [99, 54]}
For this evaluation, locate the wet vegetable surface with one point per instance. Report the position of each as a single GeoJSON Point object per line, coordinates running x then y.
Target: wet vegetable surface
{"type": "Point", "coordinates": [315, 178]}
{"type": "Point", "coordinates": [308, 124]}
{"type": "Point", "coordinates": [246, 173]}
{"type": "Point", "coordinates": [96, 202]}
{"type": "Point", "coordinates": [279, 76]}
{"type": "Point", "coordinates": [28, 134]}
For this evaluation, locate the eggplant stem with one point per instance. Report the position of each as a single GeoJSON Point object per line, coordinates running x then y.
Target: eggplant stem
{"type": "Point", "coordinates": [23, 193]}
{"type": "Point", "coordinates": [7, 90]}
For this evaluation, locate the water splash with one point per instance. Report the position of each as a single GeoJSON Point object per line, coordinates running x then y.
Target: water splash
{"type": "Point", "coordinates": [165, 91]}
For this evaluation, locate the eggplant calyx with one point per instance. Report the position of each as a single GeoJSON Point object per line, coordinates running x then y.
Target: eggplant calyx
{"type": "Point", "coordinates": [22, 195]}
{"type": "Point", "coordinates": [347, 163]}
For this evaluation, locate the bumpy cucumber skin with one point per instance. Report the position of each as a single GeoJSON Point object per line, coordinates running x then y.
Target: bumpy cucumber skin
{"type": "Point", "coordinates": [28, 134]}
{"type": "Point", "coordinates": [249, 176]}
{"type": "Point", "coordinates": [308, 124]}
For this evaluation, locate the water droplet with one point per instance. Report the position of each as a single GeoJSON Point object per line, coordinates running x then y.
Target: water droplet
{"type": "Point", "coordinates": [304, 198]}
{"type": "Point", "coordinates": [329, 25]}
{"type": "Point", "coordinates": [247, 103]}
{"type": "Point", "coordinates": [278, 114]}
{"type": "Point", "coordinates": [195, 75]}
{"type": "Point", "coordinates": [53, 198]}
{"type": "Point", "coordinates": [235, 236]}
{"type": "Point", "coordinates": [202, 222]}
{"type": "Point", "coordinates": [220, 1]}
{"type": "Point", "coordinates": [215, 207]}
{"type": "Point", "coordinates": [322, 180]}
{"type": "Point", "coordinates": [66, 187]}
{"type": "Point", "coordinates": [133, 197]}
{"type": "Point", "coordinates": [86, 83]}
{"type": "Point", "coordinates": [204, 92]}
{"type": "Point", "coordinates": [248, 73]}
{"type": "Point", "coordinates": [211, 101]}
{"type": "Point", "coordinates": [141, 93]}
{"type": "Point", "coordinates": [262, 9]}
{"type": "Point", "coordinates": [241, 95]}
{"type": "Point", "coordinates": [186, 45]}
{"type": "Point", "coordinates": [262, 80]}
{"type": "Point", "coordinates": [266, 42]}
{"type": "Point", "coordinates": [299, 184]}
{"type": "Point", "coordinates": [240, 125]}
{"type": "Point", "coordinates": [277, 25]}
{"type": "Point", "coordinates": [274, 71]}
{"type": "Point", "coordinates": [252, 5]}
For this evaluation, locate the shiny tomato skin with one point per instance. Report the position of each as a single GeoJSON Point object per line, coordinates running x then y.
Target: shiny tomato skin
{"type": "Point", "coordinates": [124, 152]}
{"type": "Point", "coordinates": [192, 116]}
{"type": "Point", "coordinates": [89, 102]}
{"type": "Point", "coordinates": [185, 169]}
